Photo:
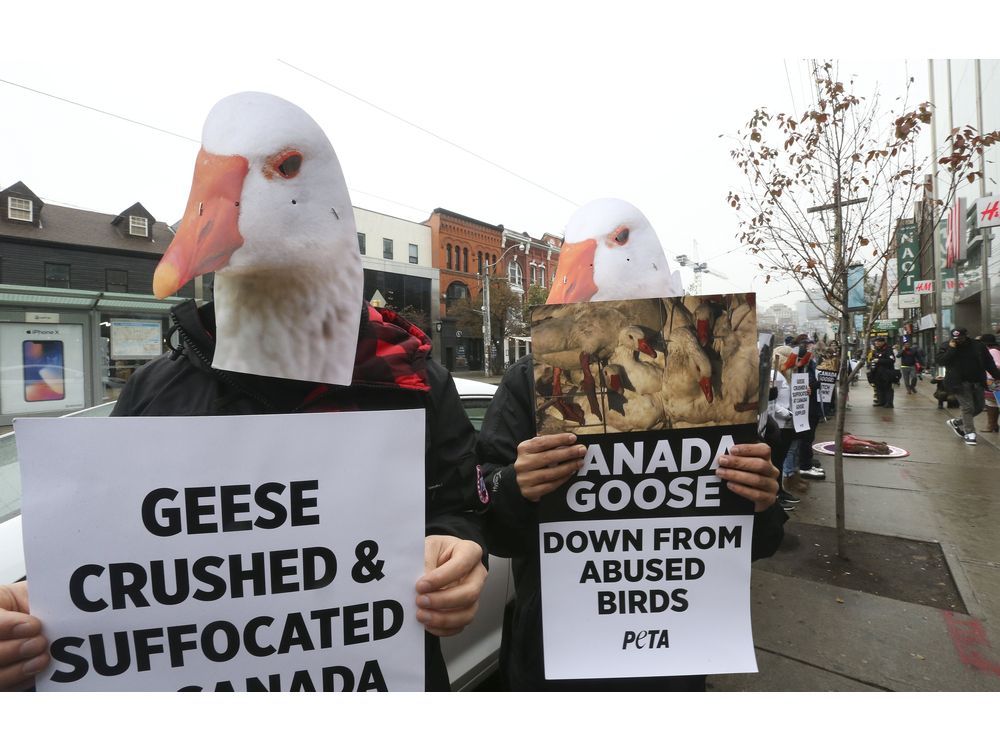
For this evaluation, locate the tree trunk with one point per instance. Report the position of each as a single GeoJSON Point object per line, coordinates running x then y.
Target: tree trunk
{"type": "Point", "coordinates": [843, 387]}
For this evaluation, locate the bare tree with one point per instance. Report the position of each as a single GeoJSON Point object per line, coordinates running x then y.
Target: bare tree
{"type": "Point", "coordinates": [827, 190]}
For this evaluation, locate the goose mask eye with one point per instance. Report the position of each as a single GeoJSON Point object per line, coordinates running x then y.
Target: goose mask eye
{"type": "Point", "coordinates": [621, 236]}
{"type": "Point", "coordinates": [287, 164]}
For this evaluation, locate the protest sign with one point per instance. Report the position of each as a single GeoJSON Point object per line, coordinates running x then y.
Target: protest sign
{"type": "Point", "coordinates": [226, 553]}
{"type": "Point", "coordinates": [645, 552]}
{"type": "Point", "coordinates": [800, 401]}
{"type": "Point", "coordinates": [827, 380]}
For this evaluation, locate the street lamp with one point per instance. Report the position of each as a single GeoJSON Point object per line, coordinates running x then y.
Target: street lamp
{"type": "Point", "coordinates": [484, 277]}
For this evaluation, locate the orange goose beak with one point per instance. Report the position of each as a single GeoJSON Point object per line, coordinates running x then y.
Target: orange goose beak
{"type": "Point", "coordinates": [209, 232]}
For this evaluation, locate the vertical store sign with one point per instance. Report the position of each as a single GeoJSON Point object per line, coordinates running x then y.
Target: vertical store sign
{"type": "Point", "coordinates": [907, 266]}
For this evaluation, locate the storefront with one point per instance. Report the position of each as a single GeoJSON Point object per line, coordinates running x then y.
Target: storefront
{"type": "Point", "coordinates": [62, 350]}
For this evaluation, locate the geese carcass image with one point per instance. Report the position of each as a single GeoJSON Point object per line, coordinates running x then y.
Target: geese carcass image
{"type": "Point", "coordinates": [270, 214]}
{"type": "Point", "coordinates": [580, 340]}
{"type": "Point", "coordinates": [687, 380]}
{"type": "Point", "coordinates": [634, 369]}
{"type": "Point", "coordinates": [734, 340]}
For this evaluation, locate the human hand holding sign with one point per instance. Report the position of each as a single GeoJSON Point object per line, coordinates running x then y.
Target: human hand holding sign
{"type": "Point", "coordinates": [749, 473]}
{"type": "Point", "coordinates": [448, 592]}
{"type": "Point", "coordinates": [23, 648]}
{"type": "Point", "coordinates": [543, 463]}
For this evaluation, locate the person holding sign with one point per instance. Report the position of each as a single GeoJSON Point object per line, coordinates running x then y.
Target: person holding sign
{"type": "Point", "coordinates": [610, 252]}
{"type": "Point", "coordinates": [270, 214]}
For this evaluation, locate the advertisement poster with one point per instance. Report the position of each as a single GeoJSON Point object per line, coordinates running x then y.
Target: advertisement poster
{"type": "Point", "coordinates": [645, 553]}
{"type": "Point", "coordinates": [285, 561]}
{"type": "Point", "coordinates": [136, 339]}
{"type": "Point", "coordinates": [41, 368]}
{"type": "Point", "coordinates": [800, 401]}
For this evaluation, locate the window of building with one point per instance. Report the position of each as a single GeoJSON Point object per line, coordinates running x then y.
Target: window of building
{"type": "Point", "coordinates": [387, 248]}
{"type": "Point", "coordinates": [361, 243]}
{"type": "Point", "coordinates": [57, 275]}
{"type": "Point", "coordinates": [465, 264]}
{"type": "Point", "coordinates": [20, 209]}
{"type": "Point", "coordinates": [138, 226]}
{"type": "Point", "coordinates": [115, 280]}
{"type": "Point", "coordinates": [514, 273]}
{"type": "Point", "coordinates": [414, 253]}
{"type": "Point", "coordinates": [479, 261]}
{"type": "Point", "coordinates": [541, 276]}
{"type": "Point", "coordinates": [456, 291]}
{"type": "Point", "coordinates": [449, 255]}
{"type": "Point", "coordinates": [531, 272]}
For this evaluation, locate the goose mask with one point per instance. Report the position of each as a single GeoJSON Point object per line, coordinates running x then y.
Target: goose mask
{"type": "Point", "coordinates": [610, 252]}
{"type": "Point", "coordinates": [270, 214]}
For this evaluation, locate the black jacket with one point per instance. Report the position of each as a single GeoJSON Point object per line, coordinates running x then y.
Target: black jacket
{"type": "Point", "coordinates": [883, 366]}
{"type": "Point", "coordinates": [183, 383]}
{"type": "Point", "coordinates": [512, 531]}
{"type": "Point", "coordinates": [966, 363]}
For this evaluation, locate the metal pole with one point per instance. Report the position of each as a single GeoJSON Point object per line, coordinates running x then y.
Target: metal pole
{"type": "Point", "coordinates": [487, 332]}
{"type": "Point", "coordinates": [985, 314]}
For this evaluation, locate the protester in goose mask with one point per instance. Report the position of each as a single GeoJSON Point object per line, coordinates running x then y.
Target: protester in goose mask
{"type": "Point", "coordinates": [610, 252]}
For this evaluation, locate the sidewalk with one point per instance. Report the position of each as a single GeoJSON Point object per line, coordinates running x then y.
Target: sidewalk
{"type": "Point", "coordinates": [816, 637]}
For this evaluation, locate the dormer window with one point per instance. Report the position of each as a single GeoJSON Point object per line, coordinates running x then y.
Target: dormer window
{"type": "Point", "coordinates": [20, 209]}
{"type": "Point", "coordinates": [138, 226]}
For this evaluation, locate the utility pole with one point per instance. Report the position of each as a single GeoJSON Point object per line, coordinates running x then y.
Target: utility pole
{"type": "Point", "coordinates": [487, 331]}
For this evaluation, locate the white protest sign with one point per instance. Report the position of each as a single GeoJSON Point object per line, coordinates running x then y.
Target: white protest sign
{"type": "Point", "coordinates": [800, 401]}
{"type": "Point", "coordinates": [219, 553]}
{"type": "Point", "coordinates": [827, 380]}
{"type": "Point", "coordinates": [645, 560]}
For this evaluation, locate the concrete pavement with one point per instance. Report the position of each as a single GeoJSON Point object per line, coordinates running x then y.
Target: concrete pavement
{"type": "Point", "coordinates": [813, 636]}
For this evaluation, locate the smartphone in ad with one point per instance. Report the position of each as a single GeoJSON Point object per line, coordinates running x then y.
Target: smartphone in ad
{"type": "Point", "coordinates": [43, 371]}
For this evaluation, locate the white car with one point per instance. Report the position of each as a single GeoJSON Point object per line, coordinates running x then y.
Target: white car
{"type": "Point", "coordinates": [472, 656]}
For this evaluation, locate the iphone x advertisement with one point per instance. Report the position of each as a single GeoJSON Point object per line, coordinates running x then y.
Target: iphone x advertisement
{"type": "Point", "coordinates": [44, 367]}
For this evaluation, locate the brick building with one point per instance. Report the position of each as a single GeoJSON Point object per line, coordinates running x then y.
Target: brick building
{"type": "Point", "coordinates": [462, 247]}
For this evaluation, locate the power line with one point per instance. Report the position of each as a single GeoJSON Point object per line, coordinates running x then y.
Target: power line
{"type": "Point", "coordinates": [170, 133]}
{"type": "Point", "coordinates": [431, 133]}
{"type": "Point", "coordinates": [100, 111]}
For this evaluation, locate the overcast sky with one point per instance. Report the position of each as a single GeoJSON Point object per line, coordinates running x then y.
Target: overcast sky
{"type": "Point", "coordinates": [578, 100]}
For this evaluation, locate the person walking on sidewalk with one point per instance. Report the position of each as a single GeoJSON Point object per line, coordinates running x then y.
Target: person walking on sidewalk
{"type": "Point", "coordinates": [883, 370]}
{"type": "Point", "coordinates": [966, 360]}
{"type": "Point", "coordinates": [911, 360]}
{"type": "Point", "coordinates": [991, 394]}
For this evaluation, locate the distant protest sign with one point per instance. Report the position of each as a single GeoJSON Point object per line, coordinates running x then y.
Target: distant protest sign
{"type": "Point", "coordinates": [800, 401]}
{"type": "Point", "coordinates": [226, 553]}
{"type": "Point", "coordinates": [827, 381]}
{"type": "Point", "coordinates": [645, 552]}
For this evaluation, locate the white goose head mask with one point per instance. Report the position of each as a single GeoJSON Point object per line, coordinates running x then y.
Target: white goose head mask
{"type": "Point", "coordinates": [270, 214]}
{"type": "Point", "coordinates": [611, 252]}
